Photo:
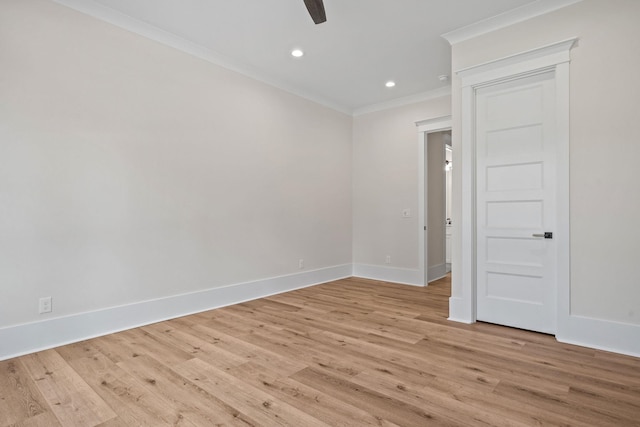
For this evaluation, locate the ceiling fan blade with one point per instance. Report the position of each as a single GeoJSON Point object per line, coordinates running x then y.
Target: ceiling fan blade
{"type": "Point", "coordinates": [316, 10]}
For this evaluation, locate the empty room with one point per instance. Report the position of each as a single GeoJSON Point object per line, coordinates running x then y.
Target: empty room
{"type": "Point", "coordinates": [319, 213]}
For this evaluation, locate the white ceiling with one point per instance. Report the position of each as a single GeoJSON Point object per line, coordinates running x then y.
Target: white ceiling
{"type": "Point", "coordinates": [347, 60]}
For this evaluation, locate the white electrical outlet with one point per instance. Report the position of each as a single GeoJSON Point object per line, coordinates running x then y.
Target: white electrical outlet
{"type": "Point", "coordinates": [388, 259]}
{"type": "Point", "coordinates": [301, 263]}
{"type": "Point", "coordinates": [44, 305]}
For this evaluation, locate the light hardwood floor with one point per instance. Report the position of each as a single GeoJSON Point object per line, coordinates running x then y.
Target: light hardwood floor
{"type": "Point", "coordinates": [349, 353]}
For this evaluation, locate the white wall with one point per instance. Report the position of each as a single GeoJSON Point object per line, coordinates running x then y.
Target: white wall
{"type": "Point", "coordinates": [130, 171]}
{"type": "Point", "coordinates": [385, 181]}
{"type": "Point", "coordinates": [605, 237]}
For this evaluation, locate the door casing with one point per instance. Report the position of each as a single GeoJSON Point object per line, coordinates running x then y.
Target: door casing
{"type": "Point", "coordinates": [556, 58]}
{"type": "Point", "coordinates": [425, 127]}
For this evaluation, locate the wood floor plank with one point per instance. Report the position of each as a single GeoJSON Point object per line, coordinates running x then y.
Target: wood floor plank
{"type": "Point", "coordinates": [371, 400]}
{"type": "Point", "coordinates": [191, 404]}
{"type": "Point", "coordinates": [252, 402]}
{"type": "Point", "coordinates": [114, 422]}
{"type": "Point", "coordinates": [331, 410]}
{"type": "Point", "coordinates": [145, 343]}
{"type": "Point", "coordinates": [135, 405]}
{"type": "Point", "coordinates": [444, 404]}
{"type": "Point", "coordinates": [20, 399]}
{"type": "Point", "coordinates": [301, 348]}
{"type": "Point", "coordinates": [247, 350]}
{"type": "Point", "coordinates": [354, 352]}
{"type": "Point", "coordinates": [352, 326]}
{"type": "Point", "coordinates": [116, 347]}
{"type": "Point", "coordinates": [561, 406]}
{"type": "Point", "coordinates": [70, 397]}
{"type": "Point", "coordinates": [44, 419]}
{"type": "Point", "coordinates": [429, 370]}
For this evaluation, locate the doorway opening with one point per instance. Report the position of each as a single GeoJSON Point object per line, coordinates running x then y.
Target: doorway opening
{"type": "Point", "coordinates": [437, 221]}
{"type": "Point", "coordinates": [433, 137]}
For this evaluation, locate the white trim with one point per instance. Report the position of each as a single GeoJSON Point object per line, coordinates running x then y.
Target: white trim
{"type": "Point", "coordinates": [436, 272]}
{"type": "Point", "coordinates": [401, 102]}
{"type": "Point", "coordinates": [553, 57]}
{"type": "Point", "coordinates": [465, 308]}
{"type": "Point", "coordinates": [605, 335]}
{"type": "Point", "coordinates": [458, 310]}
{"type": "Point", "coordinates": [520, 14]}
{"type": "Point", "coordinates": [159, 35]}
{"type": "Point", "coordinates": [31, 337]}
{"type": "Point", "coordinates": [516, 65]}
{"type": "Point", "coordinates": [425, 127]}
{"type": "Point", "coordinates": [563, 190]}
{"type": "Point", "coordinates": [436, 124]}
{"type": "Point", "coordinates": [404, 276]}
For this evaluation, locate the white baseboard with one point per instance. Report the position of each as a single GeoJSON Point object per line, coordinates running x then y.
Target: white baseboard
{"type": "Point", "coordinates": [27, 338]}
{"type": "Point", "coordinates": [616, 337]}
{"type": "Point", "coordinates": [459, 310]}
{"type": "Point", "coordinates": [37, 336]}
{"type": "Point", "coordinates": [403, 276]}
{"type": "Point", "coordinates": [436, 272]}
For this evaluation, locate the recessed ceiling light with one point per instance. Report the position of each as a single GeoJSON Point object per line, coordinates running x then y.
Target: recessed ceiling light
{"type": "Point", "coordinates": [297, 53]}
{"type": "Point", "coordinates": [390, 83]}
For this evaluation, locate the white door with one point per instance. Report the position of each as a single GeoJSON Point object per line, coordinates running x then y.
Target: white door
{"type": "Point", "coordinates": [515, 202]}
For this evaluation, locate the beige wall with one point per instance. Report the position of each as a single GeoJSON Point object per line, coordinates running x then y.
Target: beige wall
{"type": "Point", "coordinates": [385, 181]}
{"type": "Point", "coordinates": [131, 171]}
{"type": "Point", "coordinates": [605, 119]}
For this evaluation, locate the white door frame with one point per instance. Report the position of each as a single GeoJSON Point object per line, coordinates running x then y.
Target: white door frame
{"type": "Point", "coordinates": [556, 58]}
{"type": "Point", "coordinates": [425, 127]}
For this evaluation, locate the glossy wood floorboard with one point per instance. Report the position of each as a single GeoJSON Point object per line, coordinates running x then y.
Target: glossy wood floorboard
{"type": "Point", "coordinates": [349, 353]}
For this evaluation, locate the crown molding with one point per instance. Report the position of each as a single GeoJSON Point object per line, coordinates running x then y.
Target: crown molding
{"type": "Point", "coordinates": [522, 13]}
{"type": "Point", "coordinates": [126, 22]}
{"type": "Point", "coordinates": [401, 102]}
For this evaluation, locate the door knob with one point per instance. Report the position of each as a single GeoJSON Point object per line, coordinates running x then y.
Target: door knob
{"type": "Point", "coordinates": [546, 235]}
